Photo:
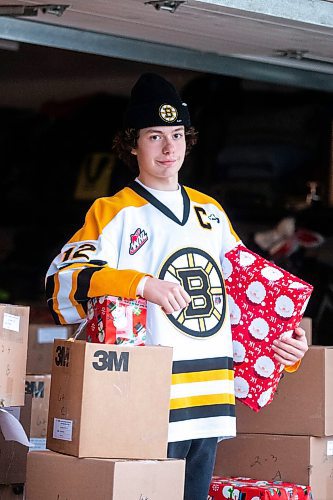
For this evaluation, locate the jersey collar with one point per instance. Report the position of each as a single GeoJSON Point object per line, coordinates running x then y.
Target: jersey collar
{"type": "Point", "coordinates": [140, 190]}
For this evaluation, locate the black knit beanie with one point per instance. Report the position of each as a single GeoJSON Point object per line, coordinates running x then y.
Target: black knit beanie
{"type": "Point", "coordinates": [155, 102]}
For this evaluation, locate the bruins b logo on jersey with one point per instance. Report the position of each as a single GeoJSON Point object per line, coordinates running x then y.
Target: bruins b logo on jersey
{"type": "Point", "coordinates": [199, 274]}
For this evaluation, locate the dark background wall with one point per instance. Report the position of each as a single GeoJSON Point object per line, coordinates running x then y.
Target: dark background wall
{"type": "Point", "coordinates": [259, 147]}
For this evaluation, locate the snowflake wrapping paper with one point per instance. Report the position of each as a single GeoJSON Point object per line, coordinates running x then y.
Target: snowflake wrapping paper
{"type": "Point", "coordinates": [265, 302]}
{"type": "Point", "coordinates": [116, 320]}
{"type": "Point", "coordinates": [243, 488]}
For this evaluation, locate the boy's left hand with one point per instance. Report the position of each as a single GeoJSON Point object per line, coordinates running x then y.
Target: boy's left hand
{"type": "Point", "coordinates": [289, 350]}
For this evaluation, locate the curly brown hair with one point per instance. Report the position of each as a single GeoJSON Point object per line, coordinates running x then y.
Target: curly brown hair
{"type": "Point", "coordinates": [126, 140]}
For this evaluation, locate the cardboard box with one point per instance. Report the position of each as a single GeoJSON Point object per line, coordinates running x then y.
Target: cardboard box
{"type": "Point", "coordinates": [116, 320]}
{"type": "Point", "coordinates": [39, 388]}
{"type": "Point", "coordinates": [40, 313]}
{"type": "Point", "coordinates": [13, 455]}
{"type": "Point", "coordinates": [303, 404]}
{"type": "Point", "coordinates": [14, 321]}
{"type": "Point", "coordinates": [306, 324]}
{"type": "Point", "coordinates": [53, 476]}
{"type": "Point", "coordinates": [109, 401]}
{"type": "Point", "coordinates": [304, 460]}
{"type": "Point", "coordinates": [11, 492]}
{"type": "Point", "coordinates": [40, 346]}
{"type": "Point", "coordinates": [265, 302]}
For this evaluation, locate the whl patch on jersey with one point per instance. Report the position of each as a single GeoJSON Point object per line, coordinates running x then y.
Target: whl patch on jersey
{"type": "Point", "coordinates": [138, 239]}
{"type": "Point", "coordinates": [197, 272]}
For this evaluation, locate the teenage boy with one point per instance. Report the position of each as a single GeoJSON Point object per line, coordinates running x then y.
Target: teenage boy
{"type": "Point", "coordinates": [165, 242]}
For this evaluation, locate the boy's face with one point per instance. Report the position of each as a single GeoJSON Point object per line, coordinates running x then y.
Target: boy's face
{"type": "Point", "coordinates": [160, 153]}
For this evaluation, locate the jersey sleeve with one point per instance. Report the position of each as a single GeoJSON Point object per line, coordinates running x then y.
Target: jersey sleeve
{"type": "Point", "coordinates": [86, 268]}
{"type": "Point", "coordinates": [230, 238]}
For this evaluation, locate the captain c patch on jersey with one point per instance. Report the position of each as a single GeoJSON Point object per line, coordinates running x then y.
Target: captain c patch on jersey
{"type": "Point", "coordinates": [200, 276]}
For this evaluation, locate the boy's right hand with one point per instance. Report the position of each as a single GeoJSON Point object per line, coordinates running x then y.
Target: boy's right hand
{"type": "Point", "coordinates": [170, 296]}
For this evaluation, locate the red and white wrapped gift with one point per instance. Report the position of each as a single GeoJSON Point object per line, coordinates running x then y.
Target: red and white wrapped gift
{"type": "Point", "coordinates": [116, 320]}
{"type": "Point", "coordinates": [265, 302]}
{"type": "Point", "coordinates": [243, 488]}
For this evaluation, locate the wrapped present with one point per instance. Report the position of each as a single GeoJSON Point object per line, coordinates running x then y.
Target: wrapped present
{"type": "Point", "coordinates": [116, 320]}
{"type": "Point", "coordinates": [265, 302]}
{"type": "Point", "coordinates": [242, 488]}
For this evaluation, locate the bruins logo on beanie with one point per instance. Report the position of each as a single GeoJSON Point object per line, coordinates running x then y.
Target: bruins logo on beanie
{"type": "Point", "coordinates": [155, 101]}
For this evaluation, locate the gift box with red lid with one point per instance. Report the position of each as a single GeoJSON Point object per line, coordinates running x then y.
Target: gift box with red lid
{"type": "Point", "coordinates": [116, 320]}
{"type": "Point", "coordinates": [265, 302]}
{"type": "Point", "coordinates": [242, 488]}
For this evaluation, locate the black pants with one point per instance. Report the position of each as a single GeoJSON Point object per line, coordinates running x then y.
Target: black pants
{"type": "Point", "coordinates": [200, 459]}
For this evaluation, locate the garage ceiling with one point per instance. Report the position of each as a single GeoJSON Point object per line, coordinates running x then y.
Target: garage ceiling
{"type": "Point", "coordinates": [285, 42]}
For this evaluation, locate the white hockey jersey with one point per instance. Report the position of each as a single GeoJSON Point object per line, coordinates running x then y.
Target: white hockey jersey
{"type": "Point", "coordinates": [132, 234]}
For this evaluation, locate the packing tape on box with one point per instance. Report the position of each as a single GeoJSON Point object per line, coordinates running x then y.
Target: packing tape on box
{"type": "Point", "coordinates": [78, 331]}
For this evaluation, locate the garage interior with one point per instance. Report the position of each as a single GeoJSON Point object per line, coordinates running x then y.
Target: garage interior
{"type": "Point", "coordinates": [264, 150]}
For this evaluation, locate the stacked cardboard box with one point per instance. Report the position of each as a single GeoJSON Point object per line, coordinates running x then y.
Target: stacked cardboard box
{"type": "Point", "coordinates": [39, 388]}
{"type": "Point", "coordinates": [14, 321]}
{"type": "Point", "coordinates": [292, 438]}
{"type": "Point", "coordinates": [40, 346]}
{"type": "Point", "coordinates": [306, 324]}
{"type": "Point", "coordinates": [38, 378]}
{"type": "Point", "coordinates": [107, 426]}
{"type": "Point", "coordinates": [53, 476]}
{"type": "Point", "coordinates": [13, 455]}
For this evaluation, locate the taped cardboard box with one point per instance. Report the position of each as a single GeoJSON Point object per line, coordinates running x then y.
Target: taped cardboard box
{"type": "Point", "coordinates": [306, 460]}
{"type": "Point", "coordinates": [52, 476]}
{"type": "Point", "coordinates": [13, 455]}
{"type": "Point", "coordinates": [303, 403]}
{"type": "Point", "coordinates": [40, 346]}
{"type": "Point", "coordinates": [109, 401]}
{"type": "Point", "coordinates": [39, 388]}
{"type": "Point", "coordinates": [14, 322]}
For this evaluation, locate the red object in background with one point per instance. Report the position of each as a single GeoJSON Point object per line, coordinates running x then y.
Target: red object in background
{"type": "Point", "coordinates": [116, 320]}
{"type": "Point", "coordinates": [241, 488]}
{"type": "Point", "coordinates": [308, 239]}
{"type": "Point", "coordinates": [265, 302]}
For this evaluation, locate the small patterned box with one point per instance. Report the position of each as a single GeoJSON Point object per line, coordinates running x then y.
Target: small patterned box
{"type": "Point", "coordinates": [116, 320]}
{"type": "Point", "coordinates": [243, 488]}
